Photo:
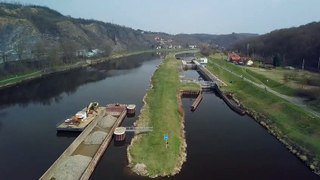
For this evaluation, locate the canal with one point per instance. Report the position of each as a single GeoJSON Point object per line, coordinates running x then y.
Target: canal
{"type": "Point", "coordinates": [221, 144]}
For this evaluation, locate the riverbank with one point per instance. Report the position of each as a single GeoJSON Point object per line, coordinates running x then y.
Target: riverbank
{"type": "Point", "coordinates": [20, 78]}
{"type": "Point", "coordinates": [148, 154]}
{"type": "Point", "coordinates": [292, 125]}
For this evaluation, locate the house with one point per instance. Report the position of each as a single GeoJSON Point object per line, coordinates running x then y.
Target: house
{"type": "Point", "coordinates": [192, 46]}
{"type": "Point", "coordinates": [233, 57]}
{"type": "Point", "coordinates": [88, 54]}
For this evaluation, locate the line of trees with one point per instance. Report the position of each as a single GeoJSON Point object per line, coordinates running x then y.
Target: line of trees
{"type": "Point", "coordinates": [287, 47]}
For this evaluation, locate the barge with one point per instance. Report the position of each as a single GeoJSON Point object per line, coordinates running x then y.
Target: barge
{"type": "Point", "coordinates": [81, 157]}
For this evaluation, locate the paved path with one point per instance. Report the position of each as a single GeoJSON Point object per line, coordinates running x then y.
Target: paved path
{"type": "Point", "coordinates": [293, 100]}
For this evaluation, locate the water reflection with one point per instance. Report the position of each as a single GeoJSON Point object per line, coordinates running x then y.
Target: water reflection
{"type": "Point", "coordinates": [51, 88]}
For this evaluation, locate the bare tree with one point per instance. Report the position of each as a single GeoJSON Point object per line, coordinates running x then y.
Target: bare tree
{"type": "Point", "coordinates": [68, 51]}
{"type": "Point", "coordinates": [53, 57]}
{"type": "Point", "coordinates": [39, 50]}
{"type": "Point", "coordinates": [19, 48]}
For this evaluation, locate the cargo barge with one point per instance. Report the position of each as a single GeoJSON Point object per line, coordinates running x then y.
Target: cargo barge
{"type": "Point", "coordinates": [81, 157]}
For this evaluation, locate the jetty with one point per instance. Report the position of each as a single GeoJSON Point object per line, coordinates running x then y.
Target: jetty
{"type": "Point", "coordinates": [79, 160]}
{"type": "Point", "coordinates": [196, 102]}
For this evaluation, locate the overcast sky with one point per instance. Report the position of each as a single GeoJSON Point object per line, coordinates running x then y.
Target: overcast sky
{"type": "Point", "coordinates": [192, 16]}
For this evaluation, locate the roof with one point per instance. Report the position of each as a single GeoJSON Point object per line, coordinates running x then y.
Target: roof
{"type": "Point", "coordinates": [234, 57]}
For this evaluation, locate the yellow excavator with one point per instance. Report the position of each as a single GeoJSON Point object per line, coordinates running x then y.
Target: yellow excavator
{"type": "Point", "coordinates": [92, 107]}
{"type": "Point", "coordinates": [84, 114]}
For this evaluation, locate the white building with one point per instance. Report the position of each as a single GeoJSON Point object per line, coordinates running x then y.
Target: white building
{"type": "Point", "coordinates": [203, 60]}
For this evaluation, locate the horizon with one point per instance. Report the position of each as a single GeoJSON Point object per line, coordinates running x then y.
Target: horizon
{"type": "Point", "coordinates": [129, 15]}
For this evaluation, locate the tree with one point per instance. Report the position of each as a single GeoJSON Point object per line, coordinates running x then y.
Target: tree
{"type": "Point", "coordinates": [4, 57]}
{"type": "Point", "coordinates": [205, 49]}
{"type": "Point", "coordinates": [276, 60]}
{"type": "Point", "coordinates": [39, 50]}
{"type": "Point", "coordinates": [53, 57]}
{"type": "Point", "coordinates": [68, 49]}
{"type": "Point", "coordinates": [19, 48]}
{"type": "Point", "coordinates": [107, 50]}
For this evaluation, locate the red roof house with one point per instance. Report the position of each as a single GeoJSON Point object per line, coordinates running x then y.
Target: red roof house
{"type": "Point", "coordinates": [234, 57]}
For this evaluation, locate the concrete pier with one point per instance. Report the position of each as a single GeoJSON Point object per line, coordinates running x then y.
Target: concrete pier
{"type": "Point", "coordinates": [196, 102]}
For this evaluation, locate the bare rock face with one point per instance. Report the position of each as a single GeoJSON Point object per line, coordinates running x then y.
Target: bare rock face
{"type": "Point", "coordinates": [140, 169]}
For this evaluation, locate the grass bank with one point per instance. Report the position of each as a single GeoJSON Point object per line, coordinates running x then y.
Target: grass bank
{"type": "Point", "coordinates": [296, 126]}
{"type": "Point", "coordinates": [30, 75]}
{"type": "Point", "coordinates": [19, 78]}
{"type": "Point", "coordinates": [162, 110]}
{"type": "Point", "coordinates": [252, 75]}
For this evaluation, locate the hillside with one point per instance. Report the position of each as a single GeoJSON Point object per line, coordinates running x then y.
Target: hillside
{"type": "Point", "coordinates": [287, 47]}
{"type": "Point", "coordinates": [225, 40]}
{"type": "Point", "coordinates": [44, 38]}
{"type": "Point", "coordinates": [222, 41]}
{"type": "Point", "coordinates": [23, 28]}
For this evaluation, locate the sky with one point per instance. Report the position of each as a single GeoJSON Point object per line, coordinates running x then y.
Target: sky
{"type": "Point", "coordinates": [192, 16]}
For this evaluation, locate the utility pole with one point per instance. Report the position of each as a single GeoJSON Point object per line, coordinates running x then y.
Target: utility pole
{"type": "Point", "coordinates": [302, 64]}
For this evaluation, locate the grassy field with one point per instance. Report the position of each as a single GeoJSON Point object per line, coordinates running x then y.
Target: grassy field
{"type": "Point", "coordinates": [248, 73]}
{"type": "Point", "coordinates": [292, 83]}
{"type": "Point", "coordinates": [296, 125]}
{"type": "Point", "coordinates": [162, 111]}
{"type": "Point", "coordinates": [290, 79]}
{"type": "Point", "coordinates": [295, 83]}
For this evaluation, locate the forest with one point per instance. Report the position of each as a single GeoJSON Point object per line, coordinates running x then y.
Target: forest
{"type": "Point", "coordinates": [297, 46]}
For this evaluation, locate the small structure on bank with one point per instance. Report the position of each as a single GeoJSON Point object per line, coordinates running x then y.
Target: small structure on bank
{"type": "Point", "coordinates": [203, 60]}
{"type": "Point", "coordinates": [120, 133]}
{"type": "Point", "coordinates": [131, 109]}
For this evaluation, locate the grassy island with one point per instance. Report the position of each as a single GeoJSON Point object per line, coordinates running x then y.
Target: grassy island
{"type": "Point", "coordinates": [163, 111]}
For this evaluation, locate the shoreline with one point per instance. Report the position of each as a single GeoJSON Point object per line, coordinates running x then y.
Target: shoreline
{"type": "Point", "coordinates": [78, 65]}
{"type": "Point", "coordinates": [82, 64]}
{"type": "Point", "coordinates": [304, 154]}
{"type": "Point", "coordinates": [300, 152]}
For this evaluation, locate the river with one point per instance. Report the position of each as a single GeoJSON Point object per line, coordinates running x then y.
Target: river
{"type": "Point", "coordinates": [221, 144]}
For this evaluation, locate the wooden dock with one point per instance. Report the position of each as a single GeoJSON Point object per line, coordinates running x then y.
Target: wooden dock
{"type": "Point", "coordinates": [87, 146]}
{"type": "Point", "coordinates": [196, 102]}
{"type": "Point", "coordinates": [186, 94]}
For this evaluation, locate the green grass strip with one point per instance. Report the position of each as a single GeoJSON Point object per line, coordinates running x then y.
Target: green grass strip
{"type": "Point", "coordinates": [162, 111]}
{"type": "Point", "coordinates": [20, 78]}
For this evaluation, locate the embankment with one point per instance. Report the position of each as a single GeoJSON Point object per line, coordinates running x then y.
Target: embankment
{"type": "Point", "coordinates": [13, 81]}
{"type": "Point", "coordinates": [148, 154]}
{"type": "Point", "coordinates": [297, 129]}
